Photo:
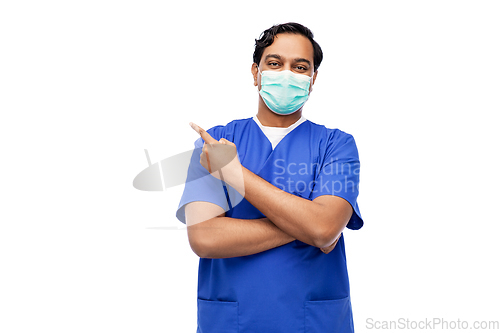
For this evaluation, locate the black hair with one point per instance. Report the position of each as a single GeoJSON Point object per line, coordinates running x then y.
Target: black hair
{"type": "Point", "coordinates": [267, 38]}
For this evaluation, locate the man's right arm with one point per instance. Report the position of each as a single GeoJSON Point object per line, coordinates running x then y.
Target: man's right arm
{"type": "Point", "coordinates": [213, 235]}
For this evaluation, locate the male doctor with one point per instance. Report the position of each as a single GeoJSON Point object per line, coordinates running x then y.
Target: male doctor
{"type": "Point", "coordinates": [274, 259]}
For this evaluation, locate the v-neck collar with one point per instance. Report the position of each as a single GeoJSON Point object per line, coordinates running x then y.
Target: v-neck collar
{"type": "Point", "coordinates": [259, 159]}
{"type": "Point", "coordinates": [279, 130]}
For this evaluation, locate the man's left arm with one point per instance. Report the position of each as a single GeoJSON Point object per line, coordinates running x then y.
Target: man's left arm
{"type": "Point", "coordinates": [318, 223]}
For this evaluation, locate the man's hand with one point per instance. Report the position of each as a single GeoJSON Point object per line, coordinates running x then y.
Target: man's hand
{"type": "Point", "coordinates": [217, 155]}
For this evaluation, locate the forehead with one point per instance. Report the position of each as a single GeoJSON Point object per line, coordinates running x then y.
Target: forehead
{"type": "Point", "coordinates": [290, 46]}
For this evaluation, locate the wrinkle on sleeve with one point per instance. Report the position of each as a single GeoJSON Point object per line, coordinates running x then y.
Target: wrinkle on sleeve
{"type": "Point", "coordinates": [339, 174]}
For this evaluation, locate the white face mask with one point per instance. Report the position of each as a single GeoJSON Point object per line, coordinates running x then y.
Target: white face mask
{"type": "Point", "coordinates": [284, 92]}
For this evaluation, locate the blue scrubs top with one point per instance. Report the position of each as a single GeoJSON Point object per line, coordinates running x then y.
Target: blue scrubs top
{"type": "Point", "coordinates": [294, 287]}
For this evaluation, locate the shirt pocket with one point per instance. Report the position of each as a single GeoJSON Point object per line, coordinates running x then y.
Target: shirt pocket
{"type": "Point", "coordinates": [327, 316]}
{"type": "Point", "coordinates": [217, 316]}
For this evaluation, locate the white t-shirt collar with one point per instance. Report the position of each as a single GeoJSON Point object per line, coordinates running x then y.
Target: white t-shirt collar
{"type": "Point", "coordinates": [276, 134]}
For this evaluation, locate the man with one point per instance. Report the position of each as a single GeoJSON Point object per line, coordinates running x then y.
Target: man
{"type": "Point", "coordinates": [273, 260]}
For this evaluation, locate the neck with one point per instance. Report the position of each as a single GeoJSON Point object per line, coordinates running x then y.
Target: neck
{"type": "Point", "coordinates": [269, 118]}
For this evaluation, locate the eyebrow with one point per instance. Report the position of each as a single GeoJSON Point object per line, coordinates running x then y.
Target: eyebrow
{"type": "Point", "coordinates": [277, 56]}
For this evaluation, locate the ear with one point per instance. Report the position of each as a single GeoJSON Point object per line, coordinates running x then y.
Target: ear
{"type": "Point", "coordinates": [255, 72]}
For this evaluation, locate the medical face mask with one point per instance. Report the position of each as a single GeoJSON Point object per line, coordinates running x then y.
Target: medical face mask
{"type": "Point", "coordinates": [284, 92]}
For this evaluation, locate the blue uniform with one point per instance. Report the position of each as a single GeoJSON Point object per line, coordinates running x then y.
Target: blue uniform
{"type": "Point", "coordinates": [294, 288]}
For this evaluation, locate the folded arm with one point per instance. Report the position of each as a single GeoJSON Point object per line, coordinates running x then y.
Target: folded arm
{"type": "Point", "coordinates": [318, 223]}
{"type": "Point", "coordinates": [226, 237]}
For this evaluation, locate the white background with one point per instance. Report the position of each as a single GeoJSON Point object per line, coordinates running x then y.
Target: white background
{"type": "Point", "coordinates": [86, 86]}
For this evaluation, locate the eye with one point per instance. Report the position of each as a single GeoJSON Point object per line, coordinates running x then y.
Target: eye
{"type": "Point", "coordinates": [301, 68]}
{"type": "Point", "coordinates": [273, 64]}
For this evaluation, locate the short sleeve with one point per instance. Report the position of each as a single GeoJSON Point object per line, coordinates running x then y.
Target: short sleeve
{"type": "Point", "coordinates": [200, 185]}
{"type": "Point", "coordinates": [339, 174]}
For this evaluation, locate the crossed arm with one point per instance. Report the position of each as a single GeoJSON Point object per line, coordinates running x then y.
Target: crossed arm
{"type": "Point", "coordinates": [213, 235]}
{"type": "Point", "coordinates": [226, 237]}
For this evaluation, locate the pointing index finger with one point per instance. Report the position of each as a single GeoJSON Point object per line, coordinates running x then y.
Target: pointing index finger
{"type": "Point", "coordinates": [204, 135]}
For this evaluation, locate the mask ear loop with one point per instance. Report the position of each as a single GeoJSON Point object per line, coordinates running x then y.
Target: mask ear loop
{"type": "Point", "coordinates": [258, 71]}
